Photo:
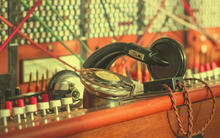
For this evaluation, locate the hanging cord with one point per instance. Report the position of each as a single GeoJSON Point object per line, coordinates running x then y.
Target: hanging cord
{"type": "Point", "coordinates": [62, 20]}
{"type": "Point", "coordinates": [174, 106]}
{"type": "Point", "coordinates": [24, 2]}
{"type": "Point", "coordinates": [189, 107]}
{"type": "Point", "coordinates": [213, 106]}
{"type": "Point", "coordinates": [21, 24]}
{"type": "Point", "coordinates": [37, 45]}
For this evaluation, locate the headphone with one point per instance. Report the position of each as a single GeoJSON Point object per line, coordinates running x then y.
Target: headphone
{"type": "Point", "coordinates": [165, 59]}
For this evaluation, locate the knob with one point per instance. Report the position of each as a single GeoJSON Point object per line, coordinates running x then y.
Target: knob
{"type": "Point", "coordinates": [31, 108]}
{"type": "Point", "coordinates": [4, 113]}
{"type": "Point", "coordinates": [55, 104]}
{"type": "Point", "coordinates": [8, 105]}
{"type": "Point", "coordinates": [208, 66]}
{"type": "Point", "coordinates": [20, 102]}
{"type": "Point", "coordinates": [67, 101]}
{"type": "Point", "coordinates": [43, 106]}
{"type": "Point", "coordinates": [33, 100]}
{"type": "Point", "coordinates": [45, 97]}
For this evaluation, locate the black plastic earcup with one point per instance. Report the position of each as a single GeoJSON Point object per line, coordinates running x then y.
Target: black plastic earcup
{"type": "Point", "coordinates": [171, 51]}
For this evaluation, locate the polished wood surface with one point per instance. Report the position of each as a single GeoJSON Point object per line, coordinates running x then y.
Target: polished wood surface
{"type": "Point", "coordinates": [160, 125]}
{"type": "Point", "coordinates": [147, 112]}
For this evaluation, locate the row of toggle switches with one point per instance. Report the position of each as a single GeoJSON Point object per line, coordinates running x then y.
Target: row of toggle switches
{"type": "Point", "coordinates": [31, 109]}
{"type": "Point", "coordinates": [205, 75]}
{"type": "Point", "coordinates": [212, 77]}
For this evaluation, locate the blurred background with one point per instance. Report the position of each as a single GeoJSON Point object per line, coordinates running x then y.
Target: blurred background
{"type": "Point", "coordinates": [71, 30]}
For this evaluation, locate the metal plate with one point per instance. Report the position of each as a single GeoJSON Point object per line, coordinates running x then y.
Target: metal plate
{"type": "Point", "coordinates": [171, 51]}
{"type": "Point", "coordinates": [59, 84]}
{"type": "Point", "coordinates": [105, 83]}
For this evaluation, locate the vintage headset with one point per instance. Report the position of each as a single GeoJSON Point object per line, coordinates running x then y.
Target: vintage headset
{"type": "Point", "coordinates": [165, 59]}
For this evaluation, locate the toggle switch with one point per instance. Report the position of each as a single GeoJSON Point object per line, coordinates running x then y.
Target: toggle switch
{"type": "Point", "coordinates": [33, 100]}
{"type": "Point", "coordinates": [20, 102]}
{"type": "Point", "coordinates": [55, 104]}
{"type": "Point", "coordinates": [210, 75]}
{"type": "Point", "coordinates": [45, 97]}
{"type": "Point", "coordinates": [67, 101]}
{"type": "Point", "coordinates": [18, 111]}
{"type": "Point", "coordinates": [31, 108]}
{"type": "Point", "coordinates": [216, 73]}
{"type": "Point", "coordinates": [201, 68]}
{"type": "Point", "coordinates": [4, 113]}
{"type": "Point", "coordinates": [43, 106]}
{"type": "Point", "coordinates": [8, 105]}
{"type": "Point", "coordinates": [203, 76]}
{"type": "Point", "coordinates": [197, 76]}
{"type": "Point", "coordinates": [188, 73]}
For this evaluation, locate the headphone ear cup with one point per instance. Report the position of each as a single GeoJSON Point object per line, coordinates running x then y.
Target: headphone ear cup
{"type": "Point", "coordinates": [102, 58]}
{"type": "Point", "coordinates": [171, 51]}
{"type": "Point", "coordinates": [103, 87]}
{"type": "Point", "coordinates": [57, 78]}
{"type": "Point", "coordinates": [167, 49]}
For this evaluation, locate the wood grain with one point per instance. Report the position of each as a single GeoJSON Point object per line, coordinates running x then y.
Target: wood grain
{"type": "Point", "coordinates": [157, 125]}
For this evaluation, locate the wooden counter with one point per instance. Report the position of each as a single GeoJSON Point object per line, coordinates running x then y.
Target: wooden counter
{"type": "Point", "coordinates": [145, 118]}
